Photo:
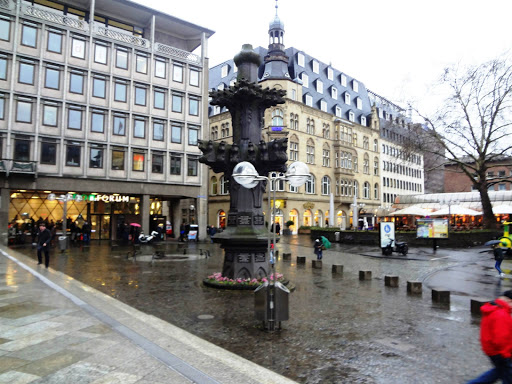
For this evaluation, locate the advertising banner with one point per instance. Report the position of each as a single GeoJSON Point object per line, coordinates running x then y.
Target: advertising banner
{"type": "Point", "coordinates": [387, 232]}
{"type": "Point", "coordinates": [432, 228]}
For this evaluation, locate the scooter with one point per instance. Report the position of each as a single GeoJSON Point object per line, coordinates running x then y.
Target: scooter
{"type": "Point", "coordinates": [143, 239]}
{"type": "Point", "coordinates": [399, 247]}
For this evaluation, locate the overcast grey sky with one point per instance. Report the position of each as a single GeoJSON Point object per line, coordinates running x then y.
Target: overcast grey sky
{"type": "Point", "coordinates": [397, 48]}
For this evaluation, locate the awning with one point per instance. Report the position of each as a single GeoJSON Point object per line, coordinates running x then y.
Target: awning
{"type": "Point", "coordinates": [455, 210]}
{"type": "Point", "coordinates": [502, 209]}
{"type": "Point", "coordinates": [412, 211]}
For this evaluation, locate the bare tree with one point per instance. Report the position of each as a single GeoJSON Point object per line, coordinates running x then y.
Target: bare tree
{"type": "Point", "coordinates": [473, 129]}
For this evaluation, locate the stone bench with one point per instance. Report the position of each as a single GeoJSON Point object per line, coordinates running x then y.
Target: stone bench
{"type": "Point", "coordinates": [414, 287]}
{"type": "Point", "coordinates": [391, 281]}
{"type": "Point", "coordinates": [439, 296]}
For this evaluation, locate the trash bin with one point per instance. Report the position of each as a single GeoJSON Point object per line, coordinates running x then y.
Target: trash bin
{"type": "Point", "coordinates": [63, 243]}
{"type": "Point", "coordinates": [262, 302]}
{"type": "Point", "coordinates": [337, 236]}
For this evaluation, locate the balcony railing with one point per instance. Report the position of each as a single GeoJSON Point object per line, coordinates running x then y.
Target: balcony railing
{"type": "Point", "coordinates": [125, 38]}
{"type": "Point", "coordinates": [9, 166]}
{"type": "Point", "coordinates": [8, 4]}
{"type": "Point", "coordinates": [55, 18]}
{"type": "Point", "coordinates": [179, 53]}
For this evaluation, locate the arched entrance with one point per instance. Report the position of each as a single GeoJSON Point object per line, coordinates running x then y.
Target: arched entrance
{"type": "Point", "coordinates": [307, 218]}
{"type": "Point", "coordinates": [341, 220]}
{"type": "Point", "coordinates": [318, 219]}
{"type": "Point", "coordinates": [221, 219]}
{"type": "Point", "coordinates": [294, 216]}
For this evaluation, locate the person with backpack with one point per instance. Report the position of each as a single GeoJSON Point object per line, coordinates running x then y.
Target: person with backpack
{"type": "Point", "coordinates": [318, 249]}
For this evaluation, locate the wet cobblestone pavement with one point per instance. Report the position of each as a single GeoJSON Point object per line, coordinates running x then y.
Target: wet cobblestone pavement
{"type": "Point", "coordinates": [341, 329]}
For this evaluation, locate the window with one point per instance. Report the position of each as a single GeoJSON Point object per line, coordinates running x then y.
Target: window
{"type": "Point", "coordinates": [78, 48]}
{"type": "Point", "coordinates": [316, 66]}
{"type": "Point", "coordinates": [177, 103]}
{"type": "Point", "coordinates": [334, 93]}
{"type": "Point", "coordinates": [3, 67]}
{"type": "Point", "coordinates": [193, 135]}
{"type": "Point", "coordinates": [23, 111]}
{"type": "Point", "coordinates": [100, 53]}
{"type": "Point", "coordinates": [223, 71]}
{"type": "Point", "coordinates": [175, 165]}
{"type": "Point", "coordinates": [310, 154]}
{"type": "Point", "coordinates": [300, 59]}
{"type": "Point", "coordinates": [2, 110]}
{"type": "Point", "coordinates": [502, 187]}
{"type": "Point", "coordinates": [121, 58]}
{"type": "Point", "coordinates": [376, 166]}
{"type": "Point", "coordinates": [355, 86]}
{"type": "Point", "coordinates": [351, 116]}
{"type": "Point", "coordinates": [140, 95]}
{"type": "Point", "coordinates": [29, 35]}
{"type": "Point", "coordinates": [158, 130]}
{"type": "Point", "coordinates": [120, 89]}
{"type": "Point", "coordinates": [138, 162]}
{"type": "Point", "coordinates": [119, 127]}
{"type": "Point", "coordinates": [366, 190]}
{"type": "Point", "coordinates": [50, 115]}
{"type": "Point", "coordinates": [343, 80]}
{"type": "Point", "coordinates": [277, 118]}
{"type": "Point", "coordinates": [363, 121]}
{"type": "Point", "coordinates": [224, 186]}
{"type": "Point", "coordinates": [54, 43]}
{"type": "Point", "coordinates": [366, 142]}
{"type": "Point", "coordinates": [177, 73]}
{"type": "Point", "coordinates": [5, 27]}
{"type": "Point", "coordinates": [194, 78]}
{"type": "Point", "coordinates": [310, 126]}
{"type": "Point", "coordinates": [294, 94]}
{"type": "Point", "coordinates": [305, 80]}
{"type": "Point", "coordinates": [294, 151]}
{"type": "Point", "coordinates": [117, 160]}
{"type": "Point", "coordinates": [310, 185]}
{"type": "Point", "coordinates": [326, 158]}
{"type": "Point", "coordinates": [375, 145]}
{"type": "Point", "coordinates": [141, 63]}
{"type": "Point", "coordinates": [52, 77]}
{"type": "Point", "coordinates": [326, 185]}
{"type": "Point", "coordinates": [176, 134]}
{"type": "Point", "coordinates": [48, 153]}
{"type": "Point", "coordinates": [75, 118]}
{"type": "Point", "coordinates": [213, 184]}
{"type": "Point", "coordinates": [319, 86]}
{"type": "Point", "coordinates": [338, 111]}
{"type": "Point", "coordinates": [347, 98]}
{"type": "Point", "coordinates": [139, 128]}
{"type": "Point", "coordinates": [309, 100]}
{"type": "Point", "coordinates": [192, 165]}
{"type": "Point", "coordinates": [366, 164]}
{"type": "Point", "coordinates": [359, 103]}
{"type": "Point", "coordinates": [76, 82]}
{"type": "Point", "coordinates": [323, 105]}
{"type": "Point", "coordinates": [26, 73]}
{"type": "Point", "coordinates": [96, 158]}
{"type": "Point", "coordinates": [98, 87]}
{"type": "Point", "coordinates": [159, 98]}
{"type": "Point", "coordinates": [97, 121]}
{"type": "Point", "coordinates": [73, 154]}
{"type": "Point", "coordinates": [160, 68]}
{"type": "Point", "coordinates": [330, 75]}
{"type": "Point", "coordinates": [21, 150]}
{"type": "Point", "coordinates": [157, 163]}
{"type": "Point", "coordinates": [193, 107]}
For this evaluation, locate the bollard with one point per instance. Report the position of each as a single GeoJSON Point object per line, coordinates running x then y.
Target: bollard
{"type": "Point", "coordinates": [476, 303]}
{"type": "Point", "coordinates": [365, 275]}
{"type": "Point", "coordinates": [301, 259]}
{"type": "Point", "coordinates": [442, 297]}
{"type": "Point", "coordinates": [287, 256]}
{"type": "Point", "coordinates": [391, 281]}
{"type": "Point", "coordinates": [414, 287]}
{"type": "Point", "coordinates": [317, 264]}
{"type": "Point", "coordinates": [337, 269]}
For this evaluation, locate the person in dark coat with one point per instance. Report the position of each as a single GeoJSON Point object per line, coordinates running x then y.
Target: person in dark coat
{"type": "Point", "coordinates": [43, 245]}
{"type": "Point", "coordinates": [318, 249]}
{"type": "Point", "coordinates": [278, 229]}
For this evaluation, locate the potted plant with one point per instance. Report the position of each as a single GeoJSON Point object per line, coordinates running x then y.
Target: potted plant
{"type": "Point", "coordinates": [287, 230]}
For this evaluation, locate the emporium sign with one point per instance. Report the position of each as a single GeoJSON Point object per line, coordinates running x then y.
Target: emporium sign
{"type": "Point", "coordinates": [92, 197]}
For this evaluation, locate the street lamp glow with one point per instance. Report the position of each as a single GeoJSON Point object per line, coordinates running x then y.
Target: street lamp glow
{"type": "Point", "coordinates": [297, 174]}
{"type": "Point", "coordinates": [246, 175]}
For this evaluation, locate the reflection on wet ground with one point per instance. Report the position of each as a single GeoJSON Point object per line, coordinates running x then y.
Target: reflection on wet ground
{"type": "Point", "coordinates": [341, 329]}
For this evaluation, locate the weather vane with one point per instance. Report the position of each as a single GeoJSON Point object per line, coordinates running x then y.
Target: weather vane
{"type": "Point", "coordinates": [276, 7]}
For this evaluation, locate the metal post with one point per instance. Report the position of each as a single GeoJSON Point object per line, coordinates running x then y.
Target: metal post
{"type": "Point", "coordinates": [65, 214]}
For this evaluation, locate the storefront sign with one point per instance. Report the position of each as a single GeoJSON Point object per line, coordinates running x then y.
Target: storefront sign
{"type": "Point", "coordinates": [432, 228]}
{"type": "Point", "coordinates": [98, 197]}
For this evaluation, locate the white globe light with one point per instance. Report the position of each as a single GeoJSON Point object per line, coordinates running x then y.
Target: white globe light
{"type": "Point", "coordinates": [246, 175]}
{"type": "Point", "coordinates": [297, 174]}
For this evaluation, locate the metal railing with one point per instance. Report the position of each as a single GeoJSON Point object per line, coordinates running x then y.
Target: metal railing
{"type": "Point", "coordinates": [55, 18]}
{"type": "Point", "coordinates": [6, 4]}
{"type": "Point", "coordinates": [179, 53]}
{"type": "Point", "coordinates": [130, 39]}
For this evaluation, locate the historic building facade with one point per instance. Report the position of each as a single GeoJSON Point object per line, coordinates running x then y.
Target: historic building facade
{"type": "Point", "coordinates": [102, 101]}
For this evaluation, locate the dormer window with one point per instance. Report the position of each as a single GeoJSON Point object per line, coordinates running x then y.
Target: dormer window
{"type": "Point", "coordinates": [334, 93]}
{"type": "Point", "coordinates": [359, 103]}
{"type": "Point", "coordinates": [305, 80]}
{"type": "Point", "coordinates": [338, 111]}
{"type": "Point", "coordinates": [319, 86]}
{"type": "Point", "coordinates": [224, 70]}
{"type": "Point", "coordinates": [330, 74]}
{"type": "Point", "coordinates": [351, 116]}
{"type": "Point", "coordinates": [300, 59]}
{"type": "Point", "coordinates": [309, 100]}
{"type": "Point", "coordinates": [347, 98]}
{"type": "Point", "coordinates": [323, 105]}
{"type": "Point", "coordinates": [220, 87]}
{"type": "Point", "coordinates": [355, 86]}
{"type": "Point", "coordinates": [316, 66]}
{"type": "Point", "coordinates": [343, 80]}
{"type": "Point", "coordinates": [363, 121]}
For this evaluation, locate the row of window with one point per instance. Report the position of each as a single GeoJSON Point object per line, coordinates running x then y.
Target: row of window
{"type": "Point", "coordinates": [102, 52]}
{"type": "Point", "coordinates": [400, 184]}
{"type": "Point", "coordinates": [224, 131]}
{"type": "Point", "coordinates": [401, 169]}
{"type": "Point", "coordinates": [401, 154]}
{"type": "Point", "coordinates": [100, 86]}
{"type": "Point", "coordinates": [99, 121]}
{"type": "Point", "coordinates": [96, 157]}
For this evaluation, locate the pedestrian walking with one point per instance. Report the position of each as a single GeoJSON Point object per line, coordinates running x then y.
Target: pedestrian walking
{"type": "Point", "coordinates": [212, 231]}
{"type": "Point", "coordinates": [498, 256]}
{"type": "Point", "coordinates": [318, 249]}
{"type": "Point", "coordinates": [43, 245]}
{"type": "Point", "coordinates": [496, 339]}
{"type": "Point", "coordinates": [278, 229]}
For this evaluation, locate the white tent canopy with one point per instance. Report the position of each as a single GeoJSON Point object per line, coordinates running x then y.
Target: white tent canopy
{"type": "Point", "coordinates": [412, 211]}
{"type": "Point", "coordinates": [455, 210]}
{"type": "Point", "coordinates": [502, 209]}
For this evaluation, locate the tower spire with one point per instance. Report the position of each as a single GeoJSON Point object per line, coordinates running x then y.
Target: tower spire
{"type": "Point", "coordinates": [276, 61]}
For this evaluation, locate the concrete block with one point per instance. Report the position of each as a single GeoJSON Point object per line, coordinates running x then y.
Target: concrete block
{"type": "Point", "coordinates": [317, 264]}
{"type": "Point", "coordinates": [301, 259]}
{"type": "Point", "coordinates": [476, 303]}
{"type": "Point", "coordinates": [337, 268]}
{"type": "Point", "coordinates": [365, 275]}
{"type": "Point", "coordinates": [391, 281]}
{"type": "Point", "coordinates": [287, 256]}
{"type": "Point", "coordinates": [439, 296]}
{"type": "Point", "coordinates": [414, 287]}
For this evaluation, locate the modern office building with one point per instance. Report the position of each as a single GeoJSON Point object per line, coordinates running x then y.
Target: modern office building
{"type": "Point", "coordinates": [102, 101]}
{"type": "Point", "coordinates": [336, 126]}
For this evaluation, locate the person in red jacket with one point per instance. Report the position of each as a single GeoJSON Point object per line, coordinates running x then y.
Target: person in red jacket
{"type": "Point", "coordinates": [496, 339]}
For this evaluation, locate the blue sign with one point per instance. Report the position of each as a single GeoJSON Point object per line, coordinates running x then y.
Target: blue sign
{"type": "Point", "coordinates": [276, 129]}
{"type": "Point", "coordinates": [387, 228]}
